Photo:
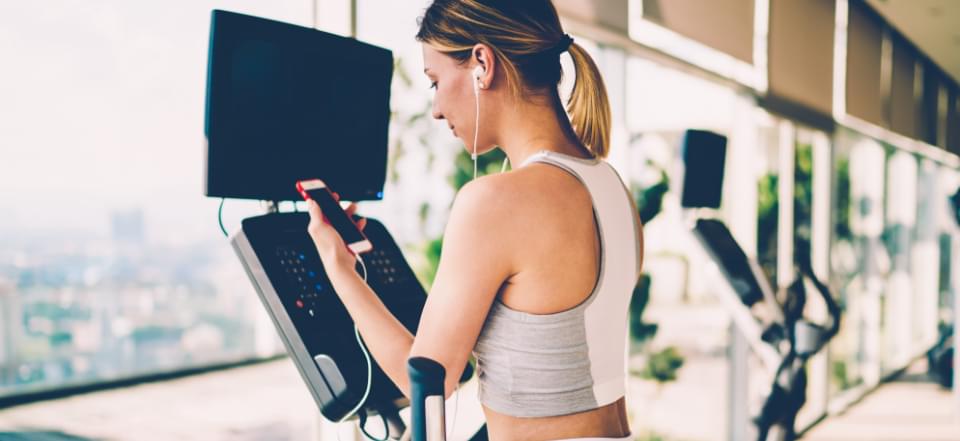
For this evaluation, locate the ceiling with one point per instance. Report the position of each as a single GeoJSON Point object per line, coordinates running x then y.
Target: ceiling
{"type": "Point", "coordinates": [932, 25]}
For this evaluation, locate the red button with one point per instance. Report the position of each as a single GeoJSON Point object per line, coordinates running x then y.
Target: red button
{"type": "Point", "coordinates": [299, 303]}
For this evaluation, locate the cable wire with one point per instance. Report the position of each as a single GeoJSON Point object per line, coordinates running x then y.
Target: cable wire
{"type": "Point", "coordinates": [366, 355]}
{"type": "Point", "coordinates": [363, 428]}
{"type": "Point", "coordinates": [220, 218]}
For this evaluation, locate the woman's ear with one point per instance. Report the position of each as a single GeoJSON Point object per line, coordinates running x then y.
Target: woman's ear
{"type": "Point", "coordinates": [483, 57]}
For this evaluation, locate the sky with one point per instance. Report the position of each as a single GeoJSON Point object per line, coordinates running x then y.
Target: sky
{"type": "Point", "coordinates": [101, 108]}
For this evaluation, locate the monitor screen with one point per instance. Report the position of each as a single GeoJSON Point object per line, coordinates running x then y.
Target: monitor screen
{"type": "Point", "coordinates": [286, 103]}
{"type": "Point", "coordinates": [704, 156]}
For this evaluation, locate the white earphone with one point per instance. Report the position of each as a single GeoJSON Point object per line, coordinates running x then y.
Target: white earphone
{"type": "Point", "coordinates": [478, 73]}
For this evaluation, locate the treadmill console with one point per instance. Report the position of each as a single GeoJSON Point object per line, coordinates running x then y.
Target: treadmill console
{"type": "Point", "coordinates": [282, 262]}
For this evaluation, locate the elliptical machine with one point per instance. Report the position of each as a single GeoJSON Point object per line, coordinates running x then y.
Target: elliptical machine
{"type": "Point", "coordinates": [784, 344]}
{"type": "Point", "coordinates": [802, 339]}
{"type": "Point", "coordinates": [772, 323]}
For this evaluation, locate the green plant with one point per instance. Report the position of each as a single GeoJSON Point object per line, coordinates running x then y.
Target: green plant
{"type": "Point", "coordinates": [650, 198]}
{"type": "Point", "coordinates": [802, 198]}
{"type": "Point", "coordinates": [767, 217]}
{"type": "Point", "coordinates": [662, 366]}
{"type": "Point", "coordinates": [842, 212]}
{"type": "Point", "coordinates": [487, 163]}
{"type": "Point", "coordinates": [839, 374]}
{"type": "Point", "coordinates": [640, 331]}
{"type": "Point", "coordinates": [431, 251]}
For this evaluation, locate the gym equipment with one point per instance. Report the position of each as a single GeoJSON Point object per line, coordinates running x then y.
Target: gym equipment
{"type": "Point", "coordinates": [427, 411]}
{"type": "Point", "coordinates": [318, 333]}
{"type": "Point", "coordinates": [775, 328]}
{"type": "Point", "coordinates": [284, 267]}
{"type": "Point", "coordinates": [941, 364]}
{"type": "Point", "coordinates": [940, 358]}
{"type": "Point", "coordinates": [286, 102]}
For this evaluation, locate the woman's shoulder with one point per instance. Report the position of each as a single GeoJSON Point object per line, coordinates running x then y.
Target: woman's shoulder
{"type": "Point", "coordinates": [536, 190]}
{"type": "Point", "coordinates": [492, 194]}
{"type": "Point", "coordinates": [517, 186]}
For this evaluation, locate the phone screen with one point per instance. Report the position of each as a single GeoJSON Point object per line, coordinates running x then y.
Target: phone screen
{"type": "Point", "coordinates": [336, 216]}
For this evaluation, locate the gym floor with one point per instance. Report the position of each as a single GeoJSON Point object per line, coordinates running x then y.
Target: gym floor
{"type": "Point", "coordinates": [910, 408]}
{"type": "Point", "coordinates": [240, 404]}
{"type": "Point", "coordinates": [233, 404]}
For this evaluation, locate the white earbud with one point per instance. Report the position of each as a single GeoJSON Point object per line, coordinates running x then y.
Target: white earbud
{"type": "Point", "coordinates": [478, 73]}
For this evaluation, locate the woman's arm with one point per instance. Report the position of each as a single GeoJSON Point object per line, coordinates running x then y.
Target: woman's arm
{"type": "Point", "coordinates": [473, 265]}
{"type": "Point", "coordinates": [387, 339]}
{"type": "Point", "coordinates": [475, 261]}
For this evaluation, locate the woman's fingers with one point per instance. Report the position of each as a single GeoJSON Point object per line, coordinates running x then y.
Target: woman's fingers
{"type": "Point", "coordinates": [312, 208]}
{"type": "Point", "coordinates": [352, 210]}
{"type": "Point", "coordinates": [316, 215]}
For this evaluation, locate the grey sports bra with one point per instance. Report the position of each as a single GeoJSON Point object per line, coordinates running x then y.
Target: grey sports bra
{"type": "Point", "coordinates": [533, 365]}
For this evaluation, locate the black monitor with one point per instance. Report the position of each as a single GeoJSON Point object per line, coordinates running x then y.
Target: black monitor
{"type": "Point", "coordinates": [704, 157]}
{"type": "Point", "coordinates": [286, 102]}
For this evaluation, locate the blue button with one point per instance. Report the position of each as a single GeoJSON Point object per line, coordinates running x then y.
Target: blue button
{"type": "Point", "coordinates": [319, 287]}
{"type": "Point", "coordinates": [302, 257]}
{"type": "Point", "coordinates": [312, 274]}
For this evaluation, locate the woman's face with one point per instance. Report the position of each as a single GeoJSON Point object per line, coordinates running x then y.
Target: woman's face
{"type": "Point", "coordinates": [453, 98]}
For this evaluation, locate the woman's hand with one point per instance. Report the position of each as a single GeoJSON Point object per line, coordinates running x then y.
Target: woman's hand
{"type": "Point", "coordinates": [330, 245]}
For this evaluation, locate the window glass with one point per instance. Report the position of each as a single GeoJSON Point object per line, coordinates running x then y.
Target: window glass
{"type": "Point", "coordinates": [112, 263]}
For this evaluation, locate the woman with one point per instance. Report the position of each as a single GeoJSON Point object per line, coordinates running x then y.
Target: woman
{"type": "Point", "coordinates": [538, 264]}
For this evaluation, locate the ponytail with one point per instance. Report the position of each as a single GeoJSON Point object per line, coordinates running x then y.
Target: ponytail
{"type": "Point", "coordinates": [588, 106]}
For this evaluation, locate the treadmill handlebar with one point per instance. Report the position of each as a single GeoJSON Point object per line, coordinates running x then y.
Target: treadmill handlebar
{"type": "Point", "coordinates": [832, 307]}
{"type": "Point", "coordinates": [427, 419]}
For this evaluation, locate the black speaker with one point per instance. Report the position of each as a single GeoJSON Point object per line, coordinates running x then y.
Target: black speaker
{"type": "Point", "coordinates": [704, 156]}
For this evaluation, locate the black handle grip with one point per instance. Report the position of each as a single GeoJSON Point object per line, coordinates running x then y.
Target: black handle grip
{"type": "Point", "coordinates": [427, 379]}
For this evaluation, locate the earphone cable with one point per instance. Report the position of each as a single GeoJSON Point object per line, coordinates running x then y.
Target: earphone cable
{"type": "Point", "coordinates": [476, 128]}
{"type": "Point", "coordinates": [366, 356]}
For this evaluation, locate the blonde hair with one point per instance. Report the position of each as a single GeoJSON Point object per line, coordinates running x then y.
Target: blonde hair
{"type": "Point", "coordinates": [527, 39]}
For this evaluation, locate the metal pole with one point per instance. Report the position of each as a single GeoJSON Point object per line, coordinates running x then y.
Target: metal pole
{"type": "Point", "coordinates": [738, 423]}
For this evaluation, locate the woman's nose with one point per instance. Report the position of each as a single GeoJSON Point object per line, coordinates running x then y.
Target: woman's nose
{"type": "Point", "coordinates": [436, 113]}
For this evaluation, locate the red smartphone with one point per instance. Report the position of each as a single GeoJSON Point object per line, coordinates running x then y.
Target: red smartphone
{"type": "Point", "coordinates": [317, 190]}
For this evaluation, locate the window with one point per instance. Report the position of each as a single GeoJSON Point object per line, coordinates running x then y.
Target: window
{"type": "Point", "coordinates": [111, 261]}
